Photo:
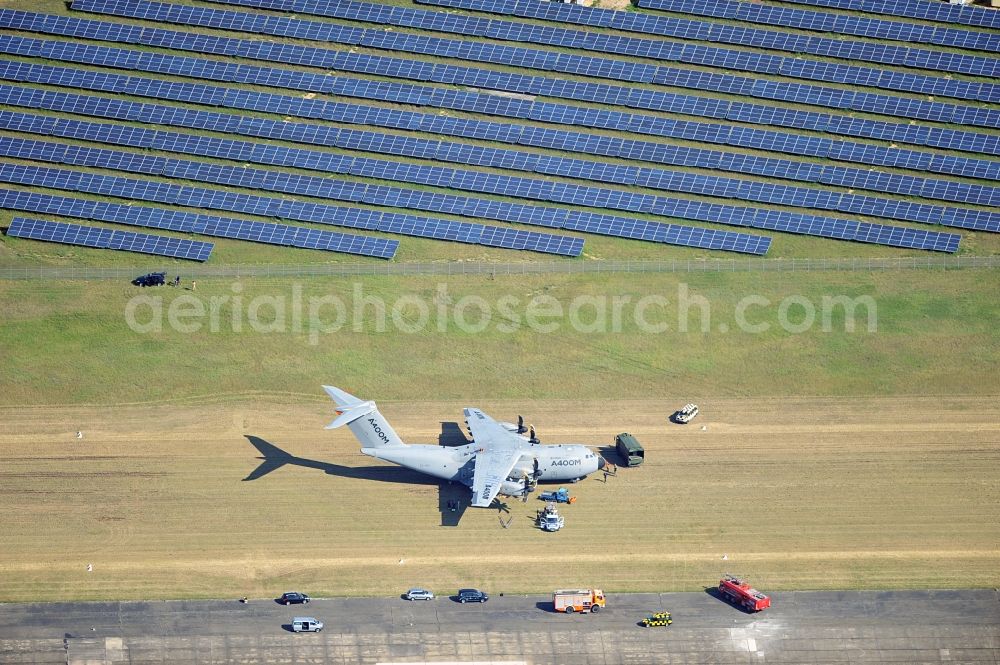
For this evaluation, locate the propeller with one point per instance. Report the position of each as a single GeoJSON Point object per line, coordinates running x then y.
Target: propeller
{"type": "Point", "coordinates": [530, 480]}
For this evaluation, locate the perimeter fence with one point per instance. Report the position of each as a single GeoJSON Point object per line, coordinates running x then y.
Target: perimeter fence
{"type": "Point", "coordinates": [934, 262]}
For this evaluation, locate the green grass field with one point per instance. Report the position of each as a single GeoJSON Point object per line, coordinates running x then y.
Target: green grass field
{"type": "Point", "coordinates": [935, 334]}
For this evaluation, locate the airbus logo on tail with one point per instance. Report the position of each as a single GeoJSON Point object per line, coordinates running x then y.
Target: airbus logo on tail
{"type": "Point", "coordinates": [378, 431]}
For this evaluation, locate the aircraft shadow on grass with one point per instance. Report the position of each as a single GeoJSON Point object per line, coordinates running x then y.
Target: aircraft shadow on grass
{"type": "Point", "coordinates": [453, 498]}
{"type": "Point", "coordinates": [452, 434]}
{"type": "Point", "coordinates": [273, 458]}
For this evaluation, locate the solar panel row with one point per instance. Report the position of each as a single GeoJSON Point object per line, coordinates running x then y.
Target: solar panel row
{"type": "Point", "coordinates": [379, 195]}
{"type": "Point", "coordinates": [704, 31]}
{"type": "Point", "coordinates": [827, 22]}
{"type": "Point", "coordinates": [103, 238]}
{"type": "Point", "coordinates": [372, 220]}
{"type": "Point", "coordinates": [526, 58]}
{"type": "Point", "coordinates": [493, 105]}
{"type": "Point", "coordinates": [187, 222]}
{"type": "Point", "coordinates": [524, 135]}
{"type": "Point", "coordinates": [379, 169]}
{"type": "Point", "coordinates": [927, 10]}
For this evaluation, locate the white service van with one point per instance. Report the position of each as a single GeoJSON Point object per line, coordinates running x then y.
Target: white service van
{"type": "Point", "coordinates": [306, 625]}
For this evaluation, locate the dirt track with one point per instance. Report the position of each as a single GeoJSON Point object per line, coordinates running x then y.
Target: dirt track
{"type": "Point", "coordinates": [805, 493]}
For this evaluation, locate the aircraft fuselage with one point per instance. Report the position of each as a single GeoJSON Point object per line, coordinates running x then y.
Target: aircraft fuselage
{"type": "Point", "coordinates": [556, 462]}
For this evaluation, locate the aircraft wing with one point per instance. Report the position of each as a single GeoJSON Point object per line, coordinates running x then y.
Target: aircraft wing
{"type": "Point", "coordinates": [497, 452]}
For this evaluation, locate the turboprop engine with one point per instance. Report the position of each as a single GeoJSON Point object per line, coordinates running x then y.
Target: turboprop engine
{"type": "Point", "coordinates": [526, 466]}
{"type": "Point", "coordinates": [519, 428]}
{"type": "Point", "coordinates": [522, 477]}
{"type": "Point", "coordinates": [511, 487]}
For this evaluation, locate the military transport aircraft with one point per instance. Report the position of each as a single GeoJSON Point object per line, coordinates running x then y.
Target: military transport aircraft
{"type": "Point", "coordinates": [500, 460]}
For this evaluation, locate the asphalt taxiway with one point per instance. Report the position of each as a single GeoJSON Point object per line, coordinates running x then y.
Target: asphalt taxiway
{"type": "Point", "coordinates": [911, 627]}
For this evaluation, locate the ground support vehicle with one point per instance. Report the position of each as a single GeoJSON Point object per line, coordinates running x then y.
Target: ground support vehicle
{"type": "Point", "coordinates": [578, 600]}
{"type": "Point", "coordinates": [739, 592]}
{"type": "Point", "coordinates": [686, 415]}
{"type": "Point", "coordinates": [657, 619]}
{"type": "Point", "coordinates": [560, 495]}
{"type": "Point", "coordinates": [630, 449]}
{"type": "Point", "coordinates": [549, 519]}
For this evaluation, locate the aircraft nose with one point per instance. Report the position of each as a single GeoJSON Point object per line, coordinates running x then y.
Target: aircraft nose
{"type": "Point", "coordinates": [601, 463]}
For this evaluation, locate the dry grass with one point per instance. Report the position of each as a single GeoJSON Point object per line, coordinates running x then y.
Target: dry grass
{"type": "Point", "coordinates": [811, 493]}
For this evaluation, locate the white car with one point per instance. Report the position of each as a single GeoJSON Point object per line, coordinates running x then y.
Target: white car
{"type": "Point", "coordinates": [419, 594]}
{"type": "Point", "coordinates": [686, 414]}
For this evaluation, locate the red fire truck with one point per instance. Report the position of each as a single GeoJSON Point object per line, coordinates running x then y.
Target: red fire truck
{"type": "Point", "coordinates": [739, 592]}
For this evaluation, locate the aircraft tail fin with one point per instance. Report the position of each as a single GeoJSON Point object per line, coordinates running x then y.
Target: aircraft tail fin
{"type": "Point", "coordinates": [364, 420]}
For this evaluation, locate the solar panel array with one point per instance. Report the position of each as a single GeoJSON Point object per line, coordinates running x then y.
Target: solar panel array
{"type": "Point", "coordinates": [551, 61]}
{"type": "Point", "coordinates": [103, 238]}
{"type": "Point", "coordinates": [837, 23]}
{"type": "Point", "coordinates": [533, 189]}
{"type": "Point", "coordinates": [598, 171]}
{"type": "Point", "coordinates": [436, 176]}
{"type": "Point", "coordinates": [566, 141]}
{"type": "Point", "coordinates": [348, 190]}
{"type": "Point", "coordinates": [702, 31]}
{"type": "Point", "coordinates": [845, 203]}
{"type": "Point", "coordinates": [487, 104]}
{"type": "Point", "coordinates": [416, 199]}
{"type": "Point", "coordinates": [149, 190]}
{"type": "Point", "coordinates": [576, 90]}
{"type": "Point", "coordinates": [927, 10]}
{"type": "Point", "coordinates": [906, 185]}
{"type": "Point", "coordinates": [187, 222]}
{"type": "Point", "coordinates": [671, 51]}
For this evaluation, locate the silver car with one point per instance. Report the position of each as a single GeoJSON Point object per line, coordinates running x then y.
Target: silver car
{"type": "Point", "coordinates": [419, 594]}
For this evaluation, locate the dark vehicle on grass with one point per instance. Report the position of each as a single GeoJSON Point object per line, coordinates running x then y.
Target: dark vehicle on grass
{"type": "Point", "coordinates": [630, 449]}
{"type": "Point", "coordinates": [151, 279]}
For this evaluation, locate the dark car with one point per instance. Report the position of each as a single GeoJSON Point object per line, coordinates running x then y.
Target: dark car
{"type": "Point", "coordinates": [152, 279]}
{"type": "Point", "coordinates": [293, 597]}
{"type": "Point", "coordinates": [472, 596]}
